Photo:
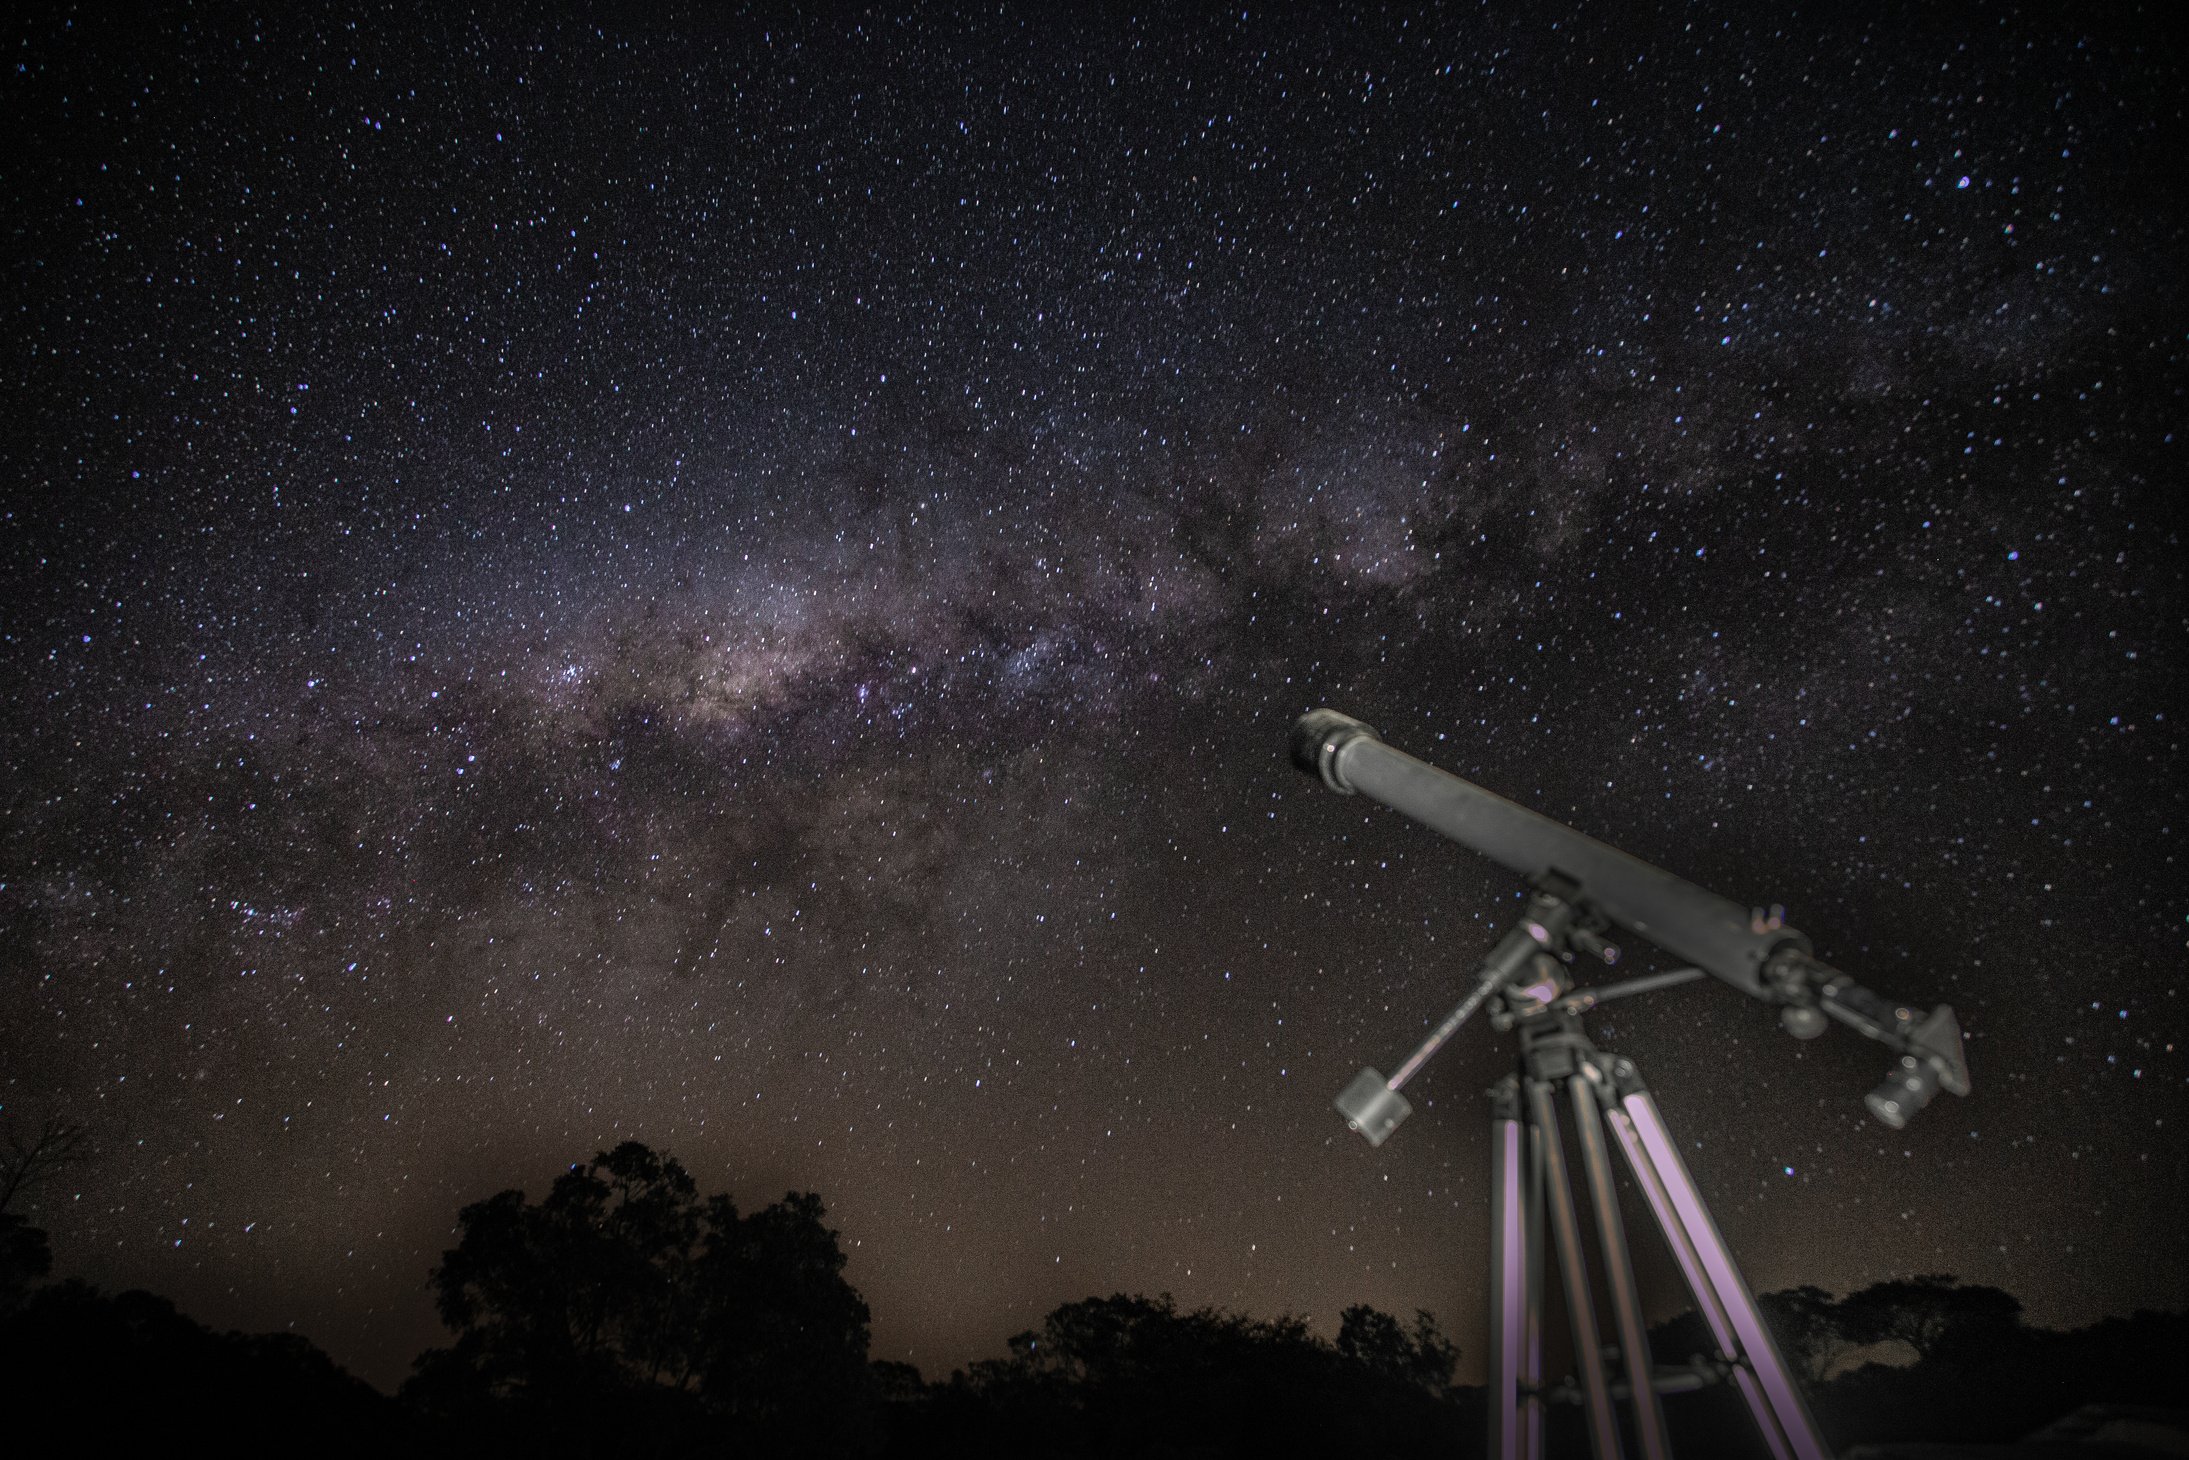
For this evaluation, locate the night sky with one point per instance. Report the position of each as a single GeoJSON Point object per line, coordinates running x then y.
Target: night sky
{"type": "Point", "coordinates": [740, 582]}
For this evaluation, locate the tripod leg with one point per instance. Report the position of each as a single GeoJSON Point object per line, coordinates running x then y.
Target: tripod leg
{"type": "Point", "coordinates": [1573, 1272]}
{"type": "Point", "coordinates": [1626, 1302]}
{"type": "Point", "coordinates": [1716, 1260]}
{"type": "Point", "coordinates": [1706, 1297]}
{"type": "Point", "coordinates": [1531, 1228]}
{"type": "Point", "coordinates": [1508, 1271]}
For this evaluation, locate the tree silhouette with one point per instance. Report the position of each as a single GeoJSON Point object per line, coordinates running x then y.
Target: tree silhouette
{"type": "Point", "coordinates": [624, 1311]}
{"type": "Point", "coordinates": [784, 1336]}
{"type": "Point", "coordinates": [25, 1260]}
{"type": "Point", "coordinates": [1422, 1356]}
{"type": "Point", "coordinates": [127, 1374]}
{"type": "Point", "coordinates": [31, 1159]}
{"type": "Point", "coordinates": [1933, 1314]}
{"type": "Point", "coordinates": [1946, 1361]}
{"type": "Point", "coordinates": [578, 1290]}
{"type": "Point", "coordinates": [1136, 1376]}
{"type": "Point", "coordinates": [27, 1160]}
{"type": "Point", "coordinates": [1809, 1326]}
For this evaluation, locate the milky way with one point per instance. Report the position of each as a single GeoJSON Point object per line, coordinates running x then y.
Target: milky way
{"type": "Point", "coordinates": [740, 583]}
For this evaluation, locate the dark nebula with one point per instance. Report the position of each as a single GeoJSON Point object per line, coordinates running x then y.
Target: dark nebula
{"type": "Point", "coordinates": [738, 580]}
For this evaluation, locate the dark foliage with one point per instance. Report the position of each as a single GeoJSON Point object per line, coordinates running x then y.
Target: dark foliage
{"type": "Point", "coordinates": [129, 1375]}
{"type": "Point", "coordinates": [623, 1313]}
{"type": "Point", "coordinates": [1930, 1359]}
{"type": "Point", "coordinates": [25, 1259]}
{"type": "Point", "coordinates": [626, 1314]}
{"type": "Point", "coordinates": [1136, 1376]}
{"type": "Point", "coordinates": [1988, 1382]}
{"type": "Point", "coordinates": [1420, 1355]}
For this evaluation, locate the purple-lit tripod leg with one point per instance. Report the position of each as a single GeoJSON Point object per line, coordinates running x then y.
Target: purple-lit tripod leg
{"type": "Point", "coordinates": [1508, 1272]}
{"type": "Point", "coordinates": [1611, 1240]}
{"type": "Point", "coordinates": [1724, 1278]}
{"type": "Point", "coordinates": [1706, 1297]}
{"type": "Point", "coordinates": [1573, 1276]}
{"type": "Point", "coordinates": [1531, 1232]}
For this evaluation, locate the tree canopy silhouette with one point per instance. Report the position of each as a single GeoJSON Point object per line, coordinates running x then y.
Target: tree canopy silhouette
{"type": "Point", "coordinates": [1130, 1375]}
{"type": "Point", "coordinates": [626, 1313]}
{"type": "Point", "coordinates": [1929, 1358]}
{"type": "Point", "coordinates": [625, 1309]}
{"type": "Point", "coordinates": [1419, 1355]}
{"type": "Point", "coordinates": [126, 1373]}
{"type": "Point", "coordinates": [25, 1161]}
{"type": "Point", "coordinates": [1934, 1314]}
{"type": "Point", "coordinates": [25, 1259]}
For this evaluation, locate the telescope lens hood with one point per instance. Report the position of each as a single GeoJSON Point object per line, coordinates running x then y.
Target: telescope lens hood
{"type": "Point", "coordinates": [1318, 736]}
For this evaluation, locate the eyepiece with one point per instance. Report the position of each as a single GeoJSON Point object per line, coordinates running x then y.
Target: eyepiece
{"type": "Point", "coordinates": [1906, 1090]}
{"type": "Point", "coordinates": [1318, 736]}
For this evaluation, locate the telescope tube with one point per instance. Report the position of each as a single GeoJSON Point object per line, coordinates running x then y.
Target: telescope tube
{"type": "Point", "coordinates": [1709, 931]}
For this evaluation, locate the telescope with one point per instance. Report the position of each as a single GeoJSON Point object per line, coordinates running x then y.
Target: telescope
{"type": "Point", "coordinates": [1585, 894]}
{"type": "Point", "coordinates": [1754, 951]}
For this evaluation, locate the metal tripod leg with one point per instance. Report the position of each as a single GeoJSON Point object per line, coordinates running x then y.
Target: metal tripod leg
{"type": "Point", "coordinates": [1528, 1172]}
{"type": "Point", "coordinates": [1588, 1348]}
{"type": "Point", "coordinates": [1698, 1283]}
{"type": "Point", "coordinates": [1516, 1279]}
{"type": "Point", "coordinates": [1626, 1301]}
{"type": "Point", "coordinates": [1531, 1231]}
{"type": "Point", "coordinates": [1508, 1270]}
{"type": "Point", "coordinates": [1780, 1395]}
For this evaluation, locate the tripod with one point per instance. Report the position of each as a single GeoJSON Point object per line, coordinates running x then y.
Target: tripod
{"type": "Point", "coordinates": [1525, 982]}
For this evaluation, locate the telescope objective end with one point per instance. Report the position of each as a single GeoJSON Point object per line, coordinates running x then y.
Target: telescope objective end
{"type": "Point", "coordinates": [1318, 736]}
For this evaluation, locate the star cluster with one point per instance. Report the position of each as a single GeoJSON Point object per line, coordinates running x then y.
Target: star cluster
{"type": "Point", "coordinates": [739, 581]}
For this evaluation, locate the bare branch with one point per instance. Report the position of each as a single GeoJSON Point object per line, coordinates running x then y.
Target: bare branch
{"type": "Point", "coordinates": [27, 1161]}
